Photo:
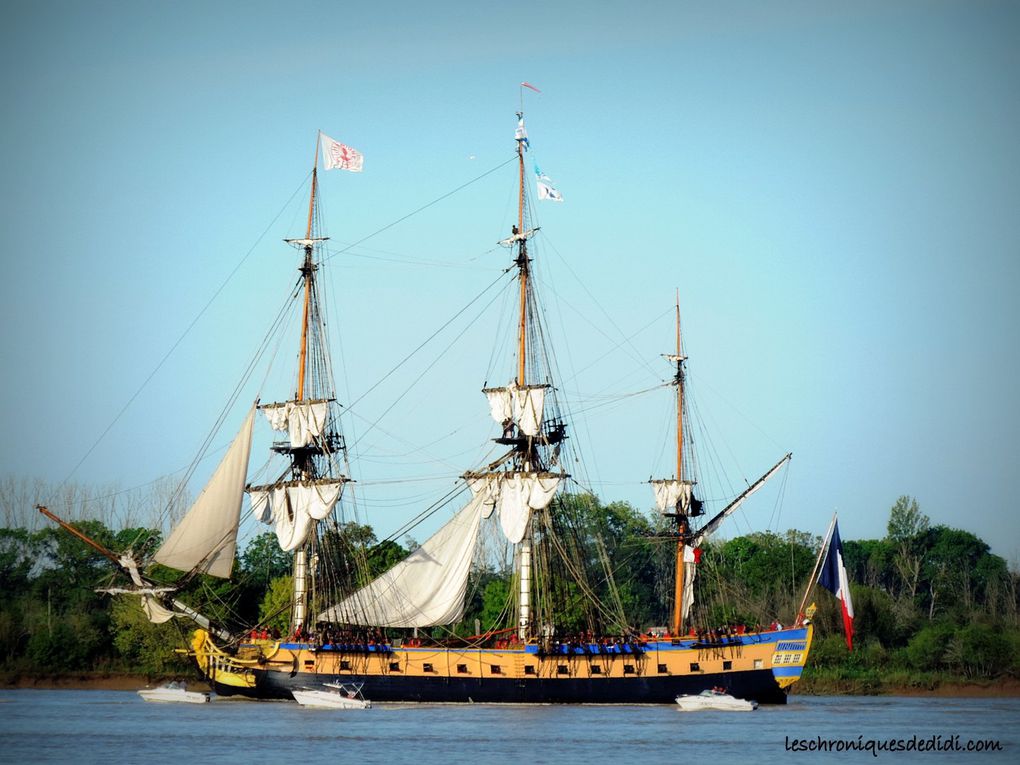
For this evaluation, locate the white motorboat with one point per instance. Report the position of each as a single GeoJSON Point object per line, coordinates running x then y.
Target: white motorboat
{"type": "Point", "coordinates": [714, 699]}
{"type": "Point", "coordinates": [336, 696]}
{"type": "Point", "coordinates": [174, 693]}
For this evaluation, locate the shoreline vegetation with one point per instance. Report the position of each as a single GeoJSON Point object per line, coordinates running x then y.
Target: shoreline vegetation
{"type": "Point", "coordinates": [936, 613]}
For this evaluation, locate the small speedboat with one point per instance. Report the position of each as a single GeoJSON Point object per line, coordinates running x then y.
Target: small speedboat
{"type": "Point", "coordinates": [174, 692]}
{"type": "Point", "coordinates": [335, 696]}
{"type": "Point", "coordinates": [714, 699]}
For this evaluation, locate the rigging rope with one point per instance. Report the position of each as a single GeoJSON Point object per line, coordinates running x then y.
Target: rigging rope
{"type": "Point", "coordinates": [183, 335]}
{"type": "Point", "coordinates": [420, 209]}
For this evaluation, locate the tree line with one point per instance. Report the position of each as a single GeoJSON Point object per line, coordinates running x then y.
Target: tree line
{"type": "Point", "coordinates": [931, 602]}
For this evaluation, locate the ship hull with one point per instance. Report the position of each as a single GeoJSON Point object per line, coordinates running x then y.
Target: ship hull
{"type": "Point", "coordinates": [757, 667]}
{"type": "Point", "coordinates": [759, 685]}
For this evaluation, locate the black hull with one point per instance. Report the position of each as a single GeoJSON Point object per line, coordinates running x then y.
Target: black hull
{"type": "Point", "coordinates": [759, 685]}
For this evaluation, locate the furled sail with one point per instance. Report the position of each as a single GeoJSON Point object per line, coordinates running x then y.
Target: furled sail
{"type": "Point", "coordinates": [304, 421]}
{"type": "Point", "coordinates": [151, 607]}
{"type": "Point", "coordinates": [672, 494]}
{"type": "Point", "coordinates": [427, 588]}
{"type": "Point", "coordinates": [207, 537]}
{"type": "Point", "coordinates": [523, 406]}
{"type": "Point", "coordinates": [156, 613]}
{"type": "Point", "coordinates": [690, 571]}
{"type": "Point", "coordinates": [294, 508]}
{"type": "Point", "coordinates": [515, 495]}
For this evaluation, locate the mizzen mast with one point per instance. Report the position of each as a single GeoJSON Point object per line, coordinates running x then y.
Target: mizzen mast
{"type": "Point", "coordinates": [675, 496]}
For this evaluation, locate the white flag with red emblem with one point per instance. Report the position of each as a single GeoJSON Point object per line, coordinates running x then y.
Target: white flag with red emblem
{"type": "Point", "coordinates": [338, 156]}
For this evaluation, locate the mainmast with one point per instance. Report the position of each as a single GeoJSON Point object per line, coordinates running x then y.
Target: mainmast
{"type": "Point", "coordinates": [521, 483]}
{"type": "Point", "coordinates": [522, 262]}
{"type": "Point", "coordinates": [524, 593]}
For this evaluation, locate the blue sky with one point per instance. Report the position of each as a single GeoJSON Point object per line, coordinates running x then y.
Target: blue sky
{"type": "Point", "coordinates": [832, 187]}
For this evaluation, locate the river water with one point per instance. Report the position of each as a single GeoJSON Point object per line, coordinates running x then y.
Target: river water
{"type": "Point", "coordinates": [118, 727]}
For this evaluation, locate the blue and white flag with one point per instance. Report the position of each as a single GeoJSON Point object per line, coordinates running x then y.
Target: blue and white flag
{"type": "Point", "coordinates": [521, 134]}
{"type": "Point", "coordinates": [546, 191]}
{"type": "Point", "coordinates": [833, 578]}
{"type": "Point", "coordinates": [545, 188]}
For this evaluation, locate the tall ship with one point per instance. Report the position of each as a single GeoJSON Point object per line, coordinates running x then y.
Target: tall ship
{"type": "Point", "coordinates": [563, 635]}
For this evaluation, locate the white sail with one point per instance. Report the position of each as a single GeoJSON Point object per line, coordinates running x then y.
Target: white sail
{"type": "Point", "coordinates": [304, 421]}
{"type": "Point", "coordinates": [515, 495]}
{"type": "Point", "coordinates": [427, 588]}
{"type": "Point", "coordinates": [276, 415]}
{"type": "Point", "coordinates": [500, 404]}
{"type": "Point", "coordinates": [514, 510]}
{"type": "Point", "coordinates": [294, 508]}
{"type": "Point", "coordinates": [670, 492]}
{"type": "Point", "coordinates": [489, 489]}
{"type": "Point", "coordinates": [690, 571]}
{"type": "Point", "coordinates": [523, 406]}
{"type": "Point", "coordinates": [156, 613]}
{"type": "Point", "coordinates": [261, 509]}
{"type": "Point", "coordinates": [207, 537]}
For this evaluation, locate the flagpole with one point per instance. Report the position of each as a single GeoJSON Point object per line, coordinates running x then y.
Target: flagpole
{"type": "Point", "coordinates": [814, 571]}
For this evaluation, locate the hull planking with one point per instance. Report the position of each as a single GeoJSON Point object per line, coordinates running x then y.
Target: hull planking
{"type": "Point", "coordinates": [761, 667]}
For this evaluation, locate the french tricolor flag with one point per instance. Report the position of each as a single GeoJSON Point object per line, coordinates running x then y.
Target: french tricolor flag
{"type": "Point", "coordinates": [833, 578]}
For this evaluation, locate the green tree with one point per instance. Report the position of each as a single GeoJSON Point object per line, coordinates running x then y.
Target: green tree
{"type": "Point", "coordinates": [981, 650]}
{"type": "Point", "coordinates": [497, 607]}
{"type": "Point", "coordinates": [17, 554]}
{"type": "Point", "coordinates": [906, 520]}
{"type": "Point", "coordinates": [263, 560]}
{"type": "Point", "coordinates": [384, 556]}
{"type": "Point", "coordinates": [142, 645]}
{"type": "Point", "coordinates": [927, 649]}
{"type": "Point", "coordinates": [905, 531]}
{"type": "Point", "coordinates": [951, 561]}
{"type": "Point", "coordinates": [274, 610]}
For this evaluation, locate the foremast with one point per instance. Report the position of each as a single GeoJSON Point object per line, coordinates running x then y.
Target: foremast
{"type": "Point", "coordinates": [309, 490]}
{"type": "Point", "coordinates": [302, 461]}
